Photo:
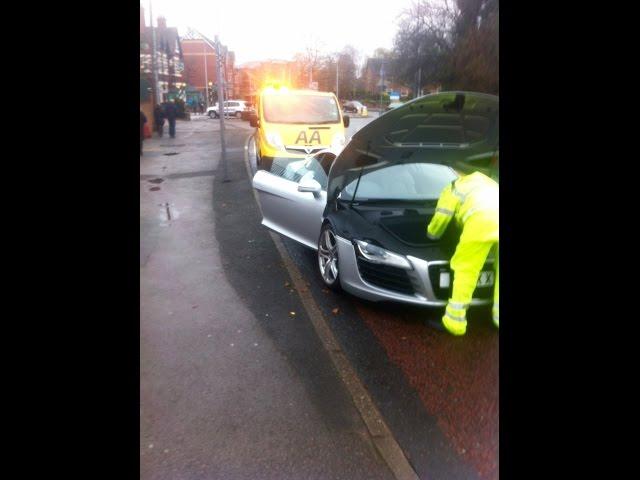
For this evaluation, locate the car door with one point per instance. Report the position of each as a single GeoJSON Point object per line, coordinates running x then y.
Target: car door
{"type": "Point", "coordinates": [287, 210]}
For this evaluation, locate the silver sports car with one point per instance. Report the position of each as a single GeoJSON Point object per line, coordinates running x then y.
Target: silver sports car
{"type": "Point", "coordinates": [365, 210]}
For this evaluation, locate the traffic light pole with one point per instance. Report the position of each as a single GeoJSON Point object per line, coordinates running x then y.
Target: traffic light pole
{"type": "Point", "coordinates": [221, 112]}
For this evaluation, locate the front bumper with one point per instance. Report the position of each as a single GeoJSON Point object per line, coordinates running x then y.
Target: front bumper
{"type": "Point", "coordinates": [424, 292]}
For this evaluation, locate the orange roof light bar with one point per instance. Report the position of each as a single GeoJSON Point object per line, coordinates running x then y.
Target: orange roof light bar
{"type": "Point", "coordinates": [275, 87]}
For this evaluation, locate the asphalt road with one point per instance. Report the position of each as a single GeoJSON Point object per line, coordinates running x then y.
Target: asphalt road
{"type": "Point", "coordinates": [233, 385]}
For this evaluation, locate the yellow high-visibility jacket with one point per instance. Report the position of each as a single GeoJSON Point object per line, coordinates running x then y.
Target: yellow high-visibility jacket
{"type": "Point", "coordinates": [473, 201]}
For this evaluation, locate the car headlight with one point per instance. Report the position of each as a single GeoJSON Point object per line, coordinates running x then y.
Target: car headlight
{"type": "Point", "coordinates": [338, 141]}
{"type": "Point", "coordinates": [376, 254]}
{"type": "Point", "coordinates": [274, 139]}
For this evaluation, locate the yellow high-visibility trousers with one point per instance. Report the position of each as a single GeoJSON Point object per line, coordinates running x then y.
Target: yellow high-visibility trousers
{"type": "Point", "coordinates": [466, 263]}
{"type": "Point", "coordinates": [496, 291]}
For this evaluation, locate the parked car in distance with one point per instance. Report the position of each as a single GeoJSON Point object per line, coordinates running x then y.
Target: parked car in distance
{"type": "Point", "coordinates": [393, 105]}
{"type": "Point", "coordinates": [353, 106]}
{"type": "Point", "coordinates": [231, 108]}
{"type": "Point", "coordinates": [247, 112]}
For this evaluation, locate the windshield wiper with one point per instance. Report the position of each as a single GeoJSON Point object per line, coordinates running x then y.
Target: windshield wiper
{"type": "Point", "coordinates": [392, 200]}
{"type": "Point", "coordinates": [303, 122]}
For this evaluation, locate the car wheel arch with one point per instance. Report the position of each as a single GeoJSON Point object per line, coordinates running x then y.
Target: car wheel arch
{"type": "Point", "coordinates": [334, 225]}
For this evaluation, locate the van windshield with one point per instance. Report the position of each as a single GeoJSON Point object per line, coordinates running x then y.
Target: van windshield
{"type": "Point", "coordinates": [300, 109]}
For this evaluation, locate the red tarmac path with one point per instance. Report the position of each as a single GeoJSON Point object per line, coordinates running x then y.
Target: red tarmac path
{"type": "Point", "coordinates": [455, 377]}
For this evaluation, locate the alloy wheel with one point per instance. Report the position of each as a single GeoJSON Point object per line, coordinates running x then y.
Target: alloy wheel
{"type": "Point", "coordinates": [328, 257]}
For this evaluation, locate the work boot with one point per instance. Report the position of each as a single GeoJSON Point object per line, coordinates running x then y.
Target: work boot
{"type": "Point", "coordinates": [454, 326]}
{"type": "Point", "coordinates": [455, 318]}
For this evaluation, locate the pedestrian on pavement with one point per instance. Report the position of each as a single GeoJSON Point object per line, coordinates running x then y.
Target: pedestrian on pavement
{"type": "Point", "coordinates": [473, 201]}
{"type": "Point", "coordinates": [143, 120]}
{"type": "Point", "coordinates": [158, 118]}
{"type": "Point", "coordinates": [170, 113]}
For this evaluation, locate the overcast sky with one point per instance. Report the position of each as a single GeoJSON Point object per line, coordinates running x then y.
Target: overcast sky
{"type": "Point", "coordinates": [264, 29]}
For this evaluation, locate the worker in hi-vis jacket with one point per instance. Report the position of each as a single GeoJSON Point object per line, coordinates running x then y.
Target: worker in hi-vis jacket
{"type": "Point", "coordinates": [473, 201]}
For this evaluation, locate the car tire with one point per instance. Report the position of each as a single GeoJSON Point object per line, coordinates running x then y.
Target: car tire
{"type": "Point", "coordinates": [327, 256]}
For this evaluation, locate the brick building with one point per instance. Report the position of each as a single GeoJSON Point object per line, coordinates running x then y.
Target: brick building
{"type": "Point", "coordinates": [169, 64]}
{"type": "Point", "coordinates": [199, 53]}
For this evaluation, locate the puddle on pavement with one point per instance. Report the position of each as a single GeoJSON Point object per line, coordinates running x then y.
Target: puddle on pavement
{"type": "Point", "coordinates": [167, 213]}
{"type": "Point", "coordinates": [156, 180]}
{"type": "Point", "coordinates": [154, 189]}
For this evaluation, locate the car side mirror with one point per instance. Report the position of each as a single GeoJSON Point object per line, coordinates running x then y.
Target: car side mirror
{"type": "Point", "coordinates": [310, 185]}
{"type": "Point", "coordinates": [346, 120]}
{"type": "Point", "coordinates": [253, 120]}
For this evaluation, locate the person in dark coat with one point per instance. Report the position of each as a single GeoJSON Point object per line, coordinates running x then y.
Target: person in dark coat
{"type": "Point", "coordinates": [158, 118]}
{"type": "Point", "coordinates": [143, 120]}
{"type": "Point", "coordinates": [170, 113]}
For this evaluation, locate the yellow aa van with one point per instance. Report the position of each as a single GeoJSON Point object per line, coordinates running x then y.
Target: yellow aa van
{"type": "Point", "coordinates": [293, 124]}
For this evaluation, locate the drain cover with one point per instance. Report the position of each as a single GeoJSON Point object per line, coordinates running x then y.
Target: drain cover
{"type": "Point", "coordinates": [156, 180]}
{"type": "Point", "coordinates": [170, 153]}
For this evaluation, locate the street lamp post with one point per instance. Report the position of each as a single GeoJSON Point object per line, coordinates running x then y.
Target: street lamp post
{"type": "Point", "coordinates": [206, 78]}
{"type": "Point", "coordinates": [382, 82]}
{"type": "Point", "coordinates": [221, 112]}
{"type": "Point", "coordinates": [156, 93]}
{"type": "Point", "coordinates": [338, 77]}
{"type": "Point", "coordinates": [419, 79]}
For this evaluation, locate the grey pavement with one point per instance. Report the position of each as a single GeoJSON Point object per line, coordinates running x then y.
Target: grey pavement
{"type": "Point", "coordinates": [233, 385]}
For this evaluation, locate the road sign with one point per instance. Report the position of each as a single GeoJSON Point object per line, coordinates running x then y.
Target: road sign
{"type": "Point", "coordinates": [394, 96]}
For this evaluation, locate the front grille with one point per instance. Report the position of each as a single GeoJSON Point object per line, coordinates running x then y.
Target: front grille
{"type": "Point", "coordinates": [385, 276]}
{"type": "Point", "coordinates": [300, 150]}
{"type": "Point", "coordinates": [444, 293]}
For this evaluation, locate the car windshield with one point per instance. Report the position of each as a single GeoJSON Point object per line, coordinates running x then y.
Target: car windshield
{"type": "Point", "coordinates": [300, 109]}
{"type": "Point", "coordinates": [407, 181]}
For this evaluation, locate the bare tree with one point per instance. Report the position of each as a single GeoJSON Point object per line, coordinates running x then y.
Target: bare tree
{"type": "Point", "coordinates": [313, 55]}
{"type": "Point", "coordinates": [425, 39]}
{"type": "Point", "coordinates": [447, 42]}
